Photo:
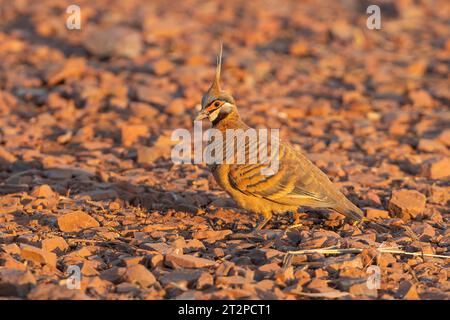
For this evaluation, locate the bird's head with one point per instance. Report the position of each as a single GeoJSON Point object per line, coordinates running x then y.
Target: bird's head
{"type": "Point", "coordinates": [216, 103]}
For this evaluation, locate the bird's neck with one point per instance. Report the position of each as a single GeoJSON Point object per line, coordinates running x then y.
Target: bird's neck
{"type": "Point", "coordinates": [230, 120]}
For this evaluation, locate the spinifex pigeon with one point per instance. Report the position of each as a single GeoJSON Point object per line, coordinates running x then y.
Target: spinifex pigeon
{"type": "Point", "coordinates": [297, 182]}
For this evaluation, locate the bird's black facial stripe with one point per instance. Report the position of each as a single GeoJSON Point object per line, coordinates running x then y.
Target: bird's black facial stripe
{"type": "Point", "coordinates": [213, 106]}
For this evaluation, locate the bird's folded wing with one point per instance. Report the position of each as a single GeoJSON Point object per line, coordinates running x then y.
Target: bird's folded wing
{"type": "Point", "coordinates": [296, 182]}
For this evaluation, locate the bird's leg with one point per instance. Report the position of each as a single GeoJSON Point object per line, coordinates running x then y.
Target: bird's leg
{"type": "Point", "coordinates": [357, 223]}
{"type": "Point", "coordinates": [266, 218]}
{"type": "Point", "coordinates": [297, 222]}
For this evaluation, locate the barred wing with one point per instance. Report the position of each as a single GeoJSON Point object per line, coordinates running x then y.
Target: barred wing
{"type": "Point", "coordinates": [296, 182]}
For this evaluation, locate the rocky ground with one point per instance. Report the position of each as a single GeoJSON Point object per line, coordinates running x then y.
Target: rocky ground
{"type": "Point", "coordinates": [86, 178]}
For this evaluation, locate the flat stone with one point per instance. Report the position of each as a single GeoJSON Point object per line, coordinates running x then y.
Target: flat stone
{"type": "Point", "coordinates": [361, 289]}
{"type": "Point", "coordinates": [57, 244]}
{"type": "Point", "coordinates": [437, 168]}
{"type": "Point", "coordinates": [37, 255]}
{"type": "Point", "coordinates": [373, 213]}
{"type": "Point", "coordinates": [407, 204]}
{"type": "Point", "coordinates": [131, 133]}
{"type": "Point", "coordinates": [181, 277]}
{"type": "Point", "coordinates": [76, 221]}
{"type": "Point", "coordinates": [231, 280]}
{"type": "Point", "coordinates": [49, 291]}
{"type": "Point", "coordinates": [211, 234]}
{"type": "Point", "coordinates": [205, 281]}
{"type": "Point", "coordinates": [43, 191]}
{"type": "Point", "coordinates": [139, 274]}
{"type": "Point", "coordinates": [15, 282]}
{"type": "Point", "coordinates": [187, 261]}
{"type": "Point", "coordinates": [407, 290]}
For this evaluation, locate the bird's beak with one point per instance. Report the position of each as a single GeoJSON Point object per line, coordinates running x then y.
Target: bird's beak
{"type": "Point", "coordinates": [201, 115]}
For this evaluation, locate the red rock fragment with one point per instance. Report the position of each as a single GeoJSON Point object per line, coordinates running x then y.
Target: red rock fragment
{"type": "Point", "coordinates": [431, 146]}
{"type": "Point", "coordinates": [38, 256]}
{"type": "Point", "coordinates": [163, 66]}
{"type": "Point", "coordinates": [160, 247]}
{"type": "Point", "coordinates": [143, 110]}
{"type": "Point", "coordinates": [131, 133]}
{"type": "Point", "coordinates": [346, 263]}
{"type": "Point", "coordinates": [421, 99]}
{"type": "Point", "coordinates": [211, 234]}
{"type": "Point", "coordinates": [424, 230]}
{"type": "Point", "coordinates": [130, 261]}
{"type": "Point", "coordinates": [76, 221]}
{"type": "Point", "coordinates": [319, 286]}
{"type": "Point", "coordinates": [15, 282]}
{"type": "Point", "coordinates": [127, 288]}
{"type": "Point", "coordinates": [302, 277]}
{"type": "Point", "coordinates": [407, 291]}
{"type": "Point", "coordinates": [114, 274]}
{"type": "Point", "coordinates": [231, 280]}
{"type": "Point", "coordinates": [180, 277]}
{"type": "Point", "coordinates": [72, 68]}
{"type": "Point", "coordinates": [48, 291]}
{"type": "Point", "coordinates": [444, 137]}
{"type": "Point", "coordinates": [407, 204]}
{"type": "Point", "coordinates": [437, 168]}
{"type": "Point", "coordinates": [7, 261]}
{"type": "Point", "coordinates": [148, 155]}
{"type": "Point", "coordinates": [187, 261]}
{"type": "Point", "coordinates": [9, 205]}
{"type": "Point", "coordinates": [439, 195]}
{"type": "Point", "coordinates": [141, 275]}
{"type": "Point", "coordinates": [6, 158]}
{"type": "Point", "coordinates": [285, 276]}
{"type": "Point", "coordinates": [177, 107]}
{"type": "Point", "coordinates": [156, 260]}
{"type": "Point", "coordinates": [300, 49]}
{"type": "Point", "coordinates": [55, 244]}
{"type": "Point", "coordinates": [194, 245]}
{"type": "Point", "coordinates": [362, 289]}
{"type": "Point", "coordinates": [43, 191]}
{"type": "Point", "coordinates": [89, 268]}
{"type": "Point", "coordinates": [269, 267]}
{"type": "Point", "coordinates": [205, 281]}
{"type": "Point", "coordinates": [178, 245]}
{"type": "Point", "coordinates": [373, 213]}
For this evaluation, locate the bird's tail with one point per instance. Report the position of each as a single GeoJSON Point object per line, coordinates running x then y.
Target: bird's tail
{"type": "Point", "coordinates": [349, 210]}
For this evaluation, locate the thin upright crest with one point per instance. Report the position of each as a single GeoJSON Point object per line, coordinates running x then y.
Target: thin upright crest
{"type": "Point", "coordinates": [215, 92]}
{"type": "Point", "coordinates": [219, 65]}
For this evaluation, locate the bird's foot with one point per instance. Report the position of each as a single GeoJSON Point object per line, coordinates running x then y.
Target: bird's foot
{"type": "Point", "coordinates": [297, 225]}
{"type": "Point", "coordinates": [262, 223]}
{"type": "Point", "coordinates": [357, 223]}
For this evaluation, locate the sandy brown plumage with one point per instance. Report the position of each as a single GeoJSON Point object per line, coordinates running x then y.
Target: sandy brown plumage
{"type": "Point", "coordinates": [296, 183]}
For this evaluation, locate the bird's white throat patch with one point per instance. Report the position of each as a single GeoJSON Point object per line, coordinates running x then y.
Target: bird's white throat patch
{"type": "Point", "coordinates": [225, 108]}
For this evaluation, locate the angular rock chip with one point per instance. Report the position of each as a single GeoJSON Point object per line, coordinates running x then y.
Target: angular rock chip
{"type": "Point", "coordinates": [37, 255]}
{"type": "Point", "coordinates": [76, 221]}
{"type": "Point", "coordinates": [211, 234]}
{"type": "Point", "coordinates": [141, 275]}
{"type": "Point", "coordinates": [15, 283]}
{"type": "Point", "coordinates": [55, 244]}
{"type": "Point", "coordinates": [187, 261]}
{"type": "Point", "coordinates": [407, 204]}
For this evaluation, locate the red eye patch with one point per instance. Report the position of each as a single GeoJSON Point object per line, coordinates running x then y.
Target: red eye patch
{"type": "Point", "coordinates": [211, 108]}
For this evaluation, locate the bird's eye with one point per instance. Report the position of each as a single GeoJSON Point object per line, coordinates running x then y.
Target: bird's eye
{"type": "Point", "coordinates": [217, 103]}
